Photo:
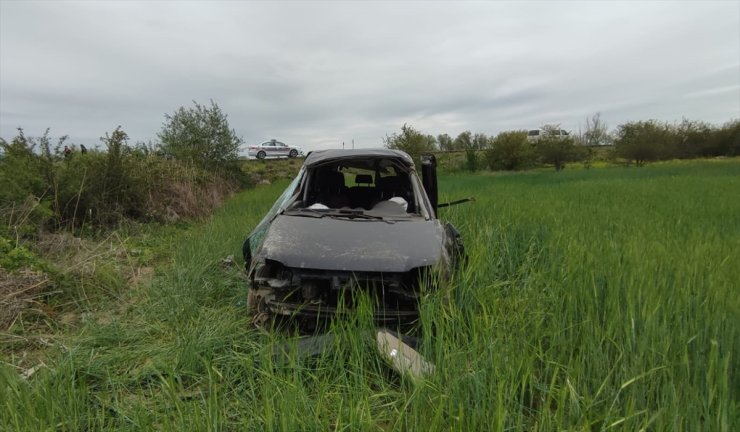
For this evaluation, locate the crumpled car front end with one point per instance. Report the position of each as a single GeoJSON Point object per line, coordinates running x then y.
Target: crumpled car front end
{"type": "Point", "coordinates": [313, 269]}
{"type": "Point", "coordinates": [311, 298]}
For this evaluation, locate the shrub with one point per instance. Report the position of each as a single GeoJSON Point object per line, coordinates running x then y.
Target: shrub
{"type": "Point", "coordinates": [101, 188]}
{"type": "Point", "coordinates": [200, 135]}
{"type": "Point", "coordinates": [692, 139]}
{"type": "Point", "coordinates": [25, 218]}
{"type": "Point", "coordinates": [510, 151]}
{"type": "Point", "coordinates": [645, 141]}
{"type": "Point", "coordinates": [13, 257]}
{"type": "Point", "coordinates": [726, 140]}
{"type": "Point", "coordinates": [470, 143]}
{"type": "Point", "coordinates": [410, 141]}
{"type": "Point", "coordinates": [463, 141]}
{"type": "Point", "coordinates": [471, 159]}
{"type": "Point", "coordinates": [445, 142]}
{"type": "Point", "coordinates": [555, 149]}
{"type": "Point", "coordinates": [22, 171]}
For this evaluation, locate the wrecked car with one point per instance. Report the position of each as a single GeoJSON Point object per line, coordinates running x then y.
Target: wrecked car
{"type": "Point", "coordinates": [351, 221]}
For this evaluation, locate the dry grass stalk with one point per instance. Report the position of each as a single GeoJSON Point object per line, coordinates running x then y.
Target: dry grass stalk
{"type": "Point", "coordinates": [17, 290]}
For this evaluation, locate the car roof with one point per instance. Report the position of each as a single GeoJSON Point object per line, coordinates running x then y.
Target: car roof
{"type": "Point", "coordinates": [321, 156]}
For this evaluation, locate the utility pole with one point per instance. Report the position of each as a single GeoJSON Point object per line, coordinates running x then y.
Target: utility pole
{"type": "Point", "coordinates": [353, 143]}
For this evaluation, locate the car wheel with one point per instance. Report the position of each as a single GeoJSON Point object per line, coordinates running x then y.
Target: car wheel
{"type": "Point", "coordinates": [293, 153]}
{"type": "Point", "coordinates": [261, 155]}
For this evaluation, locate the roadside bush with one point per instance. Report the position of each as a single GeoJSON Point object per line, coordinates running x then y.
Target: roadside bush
{"type": "Point", "coordinates": [693, 139]}
{"type": "Point", "coordinates": [14, 257]}
{"type": "Point", "coordinates": [645, 141]}
{"type": "Point", "coordinates": [471, 159]}
{"type": "Point", "coordinates": [410, 141]}
{"type": "Point", "coordinates": [143, 187]}
{"type": "Point", "coordinates": [470, 144]}
{"type": "Point", "coordinates": [726, 140]}
{"type": "Point", "coordinates": [86, 194]}
{"type": "Point", "coordinates": [22, 170]}
{"type": "Point", "coordinates": [555, 149]}
{"type": "Point", "coordinates": [200, 135]}
{"type": "Point", "coordinates": [510, 151]}
{"type": "Point", "coordinates": [25, 218]}
{"type": "Point", "coordinates": [463, 141]}
{"type": "Point", "coordinates": [27, 180]}
{"type": "Point", "coordinates": [444, 141]}
{"type": "Point", "coordinates": [102, 187]}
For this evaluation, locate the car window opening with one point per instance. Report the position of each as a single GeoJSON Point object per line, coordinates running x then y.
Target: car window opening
{"type": "Point", "coordinates": [371, 186]}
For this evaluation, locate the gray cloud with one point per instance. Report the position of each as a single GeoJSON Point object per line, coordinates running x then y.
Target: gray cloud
{"type": "Point", "coordinates": [316, 74]}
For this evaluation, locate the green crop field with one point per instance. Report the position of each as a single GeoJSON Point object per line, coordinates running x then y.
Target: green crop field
{"type": "Point", "coordinates": [603, 299]}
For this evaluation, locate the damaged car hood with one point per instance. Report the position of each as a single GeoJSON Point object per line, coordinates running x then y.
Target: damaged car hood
{"type": "Point", "coordinates": [353, 245]}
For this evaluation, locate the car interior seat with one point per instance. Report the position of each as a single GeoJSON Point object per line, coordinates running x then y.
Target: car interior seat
{"type": "Point", "coordinates": [396, 186]}
{"type": "Point", "coordinates": [332, 191]}
{"type": "Point", "coordinates": [365, 194]}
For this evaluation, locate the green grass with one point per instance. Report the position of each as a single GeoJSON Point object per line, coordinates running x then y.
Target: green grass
{"type": "Point", "coordinates": [273, 169]}
{"type": "Point", "coordinates": [603, 299]}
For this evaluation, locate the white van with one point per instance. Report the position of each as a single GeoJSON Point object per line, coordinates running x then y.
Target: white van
{"type": "Point", "coordinates": [535, 134]}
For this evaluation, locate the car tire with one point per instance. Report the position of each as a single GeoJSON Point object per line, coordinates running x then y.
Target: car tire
{"type": "Point", "coordinates": [261, 155]}
{"type": "Point", "coordinates": [293, 153]}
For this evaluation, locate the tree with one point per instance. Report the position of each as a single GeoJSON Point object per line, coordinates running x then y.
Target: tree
{"type": "Point", "coordinates": [410, 141]}
{"type": "Point", "coordinates": [481, 141]}
{"type": "Point", "coordinates": [432, 142]}
{"type": "Point", "coordinates": [463, 141]}
{"type": "Point", "coordinates": [597, 132]}
{"type": "Point", "coordinates": [694, 139]}
{"type": "Point", "coordinates": [726, 140]}
{"type": "Point", "coordinates": [554, 148]}
{"type": "Point", "coordinates": [510, 151]}
{"type": "Point", "coordinates": [445, 142]}
{"type": "Point", "coordinates": [200, 135]}
{"type": "Point", "coordinates": [644, 141]}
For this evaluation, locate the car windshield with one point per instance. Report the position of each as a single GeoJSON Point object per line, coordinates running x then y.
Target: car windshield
{"type": "Point", "coordinates": [358, 189]}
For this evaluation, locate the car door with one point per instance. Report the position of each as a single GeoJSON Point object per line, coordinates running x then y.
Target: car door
{"type": "Point", "coordinates": [281, 149]}
{"type": "Point", "coordinates": [269, 148]}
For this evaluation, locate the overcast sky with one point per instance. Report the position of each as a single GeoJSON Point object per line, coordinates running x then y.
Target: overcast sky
{"type": "Point", "coordinates": [315, 74]}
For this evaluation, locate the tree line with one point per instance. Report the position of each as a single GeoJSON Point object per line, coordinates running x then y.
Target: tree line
{"type": "Point", "coordinates": [636, 142]}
